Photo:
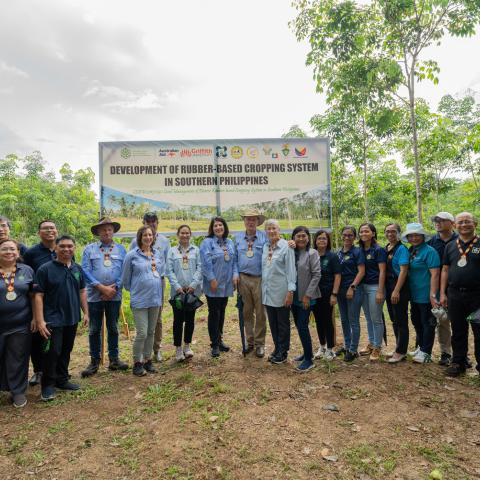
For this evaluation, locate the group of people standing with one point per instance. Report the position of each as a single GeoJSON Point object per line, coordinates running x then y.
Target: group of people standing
{"type": "Point", "coordinates": [43, 291]}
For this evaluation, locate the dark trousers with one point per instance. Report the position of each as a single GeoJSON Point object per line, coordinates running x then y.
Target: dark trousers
{"type": "Point", "coordinates": [425, 324]}
{"type": "Point", "coordinates": [57, 359]}
{"type": "Point", "coordinates": [96, 311]}
{"type": "Point", "coordinates": [301, 318]}
{"type": "Point", "coordinates": [216, 318]}
{"type": "Point", "coordinates": [460, 305]}
{"type": "Point", "coordinates": [322, 310]}
{"type": "Point", "coordinates": [14, 362]}
{"type": "Point", "coordinates": [399, 316]}
{"type": "Point", "coordinates": [279, 321]}
{"type": "Point", "coordinates": [181, 317]}
{"type": "Point", "coordinates": [36, 352]}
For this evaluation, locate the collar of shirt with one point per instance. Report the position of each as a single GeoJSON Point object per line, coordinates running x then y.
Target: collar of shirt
{"type": "Point", "coordinates": [111, 244]}
{"type": "Point", "coordinates": [250, 237]}
{"type": "Point", "coordinates": [179, 248]}
{"type": "Point", "coordinates": [140, 252]}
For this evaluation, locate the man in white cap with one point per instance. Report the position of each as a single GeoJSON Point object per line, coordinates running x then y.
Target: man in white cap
{"type": "Point", "coordinates": [444, 223]}
{"type": "Point", "coordinates": [460, 291]}
{"type": "Point", "coordinates": [248, 258]}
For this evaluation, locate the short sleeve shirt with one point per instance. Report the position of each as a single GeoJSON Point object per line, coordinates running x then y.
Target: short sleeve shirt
{"type": "Point", "coordinates": [439, 245]}
{"type": "Point", "coordinates": [422, 259]}
{"type": "Point", "coordinates": [61, 287]}
{"type": "Point", "coordinates": [349, 262]}
{"type": "Point", "coordinates": [330, 265]}
{"type": "Point", "coordinates": [16, 315]}
{"type": "Point", "coordinates": [373, 257]}
{"type": "Point", "coordinates": [469, 275]}
{"type": "Point", "coordinates": [396, 258]}
{"type": "Point", "coordinates": [38, 255]}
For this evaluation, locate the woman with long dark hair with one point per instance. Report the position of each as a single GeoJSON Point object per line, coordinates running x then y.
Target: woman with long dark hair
{"type": "Point", "coordinates": [373, 289]}
{"type": "Point", "coordinates": [307, 264]}
{"type": "Point", "coordinates": [331, 275]}
{"type": "Point", "coordinates": [217, 253]}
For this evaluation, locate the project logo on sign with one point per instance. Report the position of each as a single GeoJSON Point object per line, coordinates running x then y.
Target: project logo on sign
{"type": "Point", "coordinates": [221, 151]}
{"type": "Point", "coordinates": [125, 152]}
{"type": "Point", "coordinates": [267, 150]}
{"type": "Point", "coordinates": [252, 152]}
{"type": "Point", "coordinates": [236, 152]}
{"type": "Point", "coordinates": [285, 149]}
{"type": "Point", "coordinates": [300, 152]}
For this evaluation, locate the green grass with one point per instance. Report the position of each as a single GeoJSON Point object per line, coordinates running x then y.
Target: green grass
{"type": "Point", "coordinates": [370, 459]}
{"type": "Point", "coordinates": [160, 396]}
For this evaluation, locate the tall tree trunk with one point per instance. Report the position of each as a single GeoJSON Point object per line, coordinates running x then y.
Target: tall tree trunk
{"type": "Point", "coordinates": [413, 124]}
{"type": "Point", "coordinates": [365, 187]}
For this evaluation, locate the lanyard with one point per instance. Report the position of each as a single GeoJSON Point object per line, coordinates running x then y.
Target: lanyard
{"type": "Point", "coordinates": [184, 255]}
{"type": "Point", "coordinates": [9, 280]}
{"type": "Point", "coordinates": [223, 246]}
{"type": "Point", "coordinates": [467, 251]}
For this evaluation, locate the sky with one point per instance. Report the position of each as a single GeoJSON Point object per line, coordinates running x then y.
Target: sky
{"type": "Point", "coordinates": [77, 72]}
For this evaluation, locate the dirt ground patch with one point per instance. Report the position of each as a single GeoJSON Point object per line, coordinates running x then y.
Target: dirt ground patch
{"type": "Point", "coordinates": [236, 418]}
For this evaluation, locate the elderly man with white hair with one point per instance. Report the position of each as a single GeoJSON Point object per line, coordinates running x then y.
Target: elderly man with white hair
{"type": "Point", "coordinates": [460, 291]}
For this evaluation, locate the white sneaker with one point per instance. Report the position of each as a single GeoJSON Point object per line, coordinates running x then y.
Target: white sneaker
{"type": "Point", "coordinates": [320, 352]}
{"type": "Point", "coordinates": [187, 351]}
{"type": "Point", "coordinates": [179, 356]}
{"type": "Point", "coordinates": [157, 356]}
{"type": "Point", "coordinates": [422, 357]}
{"type": "Point", "coordinates": [414, 352]}
{"type": "Point", "coordinates": [329, 355]}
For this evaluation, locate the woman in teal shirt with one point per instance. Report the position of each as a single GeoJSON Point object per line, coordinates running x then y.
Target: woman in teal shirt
{"type": "Point", "coordinates": [424, 271]}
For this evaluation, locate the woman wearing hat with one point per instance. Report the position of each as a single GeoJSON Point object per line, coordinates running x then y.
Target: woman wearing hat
{"type": "Point", "coordinates": [184, 270]}
{"type": "Point", "coordinates": [143, 269]}
{"type": "Point", "coordinates": [16, 281]}
{"type": "Point", "coordinates": [217, 253]}
{"type": "Point", "coordinates": [423, 280]}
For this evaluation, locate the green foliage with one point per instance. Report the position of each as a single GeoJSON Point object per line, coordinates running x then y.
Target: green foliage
{"type": "Point", "coordinates": [29, 194]}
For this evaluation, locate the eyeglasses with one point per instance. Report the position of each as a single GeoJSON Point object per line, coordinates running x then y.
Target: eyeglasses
{"type": "Point", "coordinates": [348, 235]}
{"type": "Point", "coordinates": [465, 222]}
{"type": "Point", "coordinates": [390, 231]}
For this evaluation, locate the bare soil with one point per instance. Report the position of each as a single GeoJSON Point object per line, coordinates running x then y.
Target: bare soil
{"type": "Point", "coordinates": [243, 418]}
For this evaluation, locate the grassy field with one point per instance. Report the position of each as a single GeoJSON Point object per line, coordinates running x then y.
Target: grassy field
{"type": "Point", "coordinates": [243, 418]}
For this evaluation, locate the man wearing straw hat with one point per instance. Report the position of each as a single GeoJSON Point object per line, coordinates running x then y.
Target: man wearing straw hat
{"type": "Point", "coordinates": [248, 257]}
{"type": "Point", "coordinates": [102, 264]}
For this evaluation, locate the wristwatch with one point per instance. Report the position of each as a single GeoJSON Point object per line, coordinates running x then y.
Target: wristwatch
{"type": "Point", "coordinates": [334, 294]}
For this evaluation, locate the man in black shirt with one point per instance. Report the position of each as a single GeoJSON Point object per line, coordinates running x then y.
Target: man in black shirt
{"type": "Point", "coordinates": [35, 257]}
{"type": "Point", "coordinates": [444, 223]}
{"type": "Point", "coordinates": [59, 294]}
{"type": "Point", "coordinates": [461, 274]}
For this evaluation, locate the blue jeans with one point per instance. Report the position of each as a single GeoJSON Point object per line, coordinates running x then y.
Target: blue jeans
{"type": "Point", "coordinates": [301, 318]}
{"type": "Point", "coordinates": [350, 316]}
{"type": "Point", "coordinates": [373, 314]}
{"type": "Point", "coordinates": [95, 311]}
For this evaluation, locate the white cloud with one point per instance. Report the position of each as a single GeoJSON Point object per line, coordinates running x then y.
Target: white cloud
{"type": "Point", "coordinates": [5, 67]}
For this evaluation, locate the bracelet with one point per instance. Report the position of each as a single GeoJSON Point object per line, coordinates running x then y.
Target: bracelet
{"type": "Point", "coordinates": [334, 294]}
{"type": "Point", "coordinates": [353, 286]}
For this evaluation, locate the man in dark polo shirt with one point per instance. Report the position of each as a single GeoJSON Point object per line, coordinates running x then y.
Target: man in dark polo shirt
{"type": "Point", "coordinates": [35, 257]}
{"type": "Point", "coordinates": [461, 274]}
{"type": "Point", "coordinates": [60, 293]}
{"type": "Point", "coordinates": [444, 223]}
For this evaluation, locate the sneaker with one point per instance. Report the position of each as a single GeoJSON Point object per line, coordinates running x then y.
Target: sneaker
{"type": "Point", "coordinates": [71, 387]}
{"type": "Point", "coordinates": [445, 359]}
{"type": "Point", "coordinates": [260, 351]}
{"type": "Point", "coordinates": [350, 356]}
{"type": "Point", "coordinates": [224, 347]}
{"type": "Point", "coordinates": [215, 351]}
{"type": "Point", "coordinates": [455, 370]}
{"type": "Point", "coordinates": [157, 356]}
{"type": "Point", "coordinates": [138, 369]}
{"type": "Point", "coordinates": [272, 355]}
{"type": "Point", "coordinates": [304, 366]}
{"type": "Point", "coordinates": [329, 355]}
{"type": "Point", "coordinates": [92, 368]}
{"type": "Point", "coordinates": [375, 355]}
{"type": "Point", "coordinates": [278, 359]}
{"type": "Point", "coordinates": [148, 367]}
{"type": "Point", "coordinates": [48, 394]}
{"type": "Point", "coordinates": [117, 364]}
{"type": "Point", "coordinates": [367, 350]}
{"type": "Point", "coordinates": [299, 358]}
{"type": "Point", "coordinates": [389, 354]}
{"type": "Point", "coordinates": [35, 379]}
{"type": "Point", "coordinates": [249, 349]}
{"type": "Point", "coordinates": [19, 400]}
{"type": "Point", "coordinates": [396, 357]}
{"type": "Point", "coordinates": [179, 355]}
{"type": "Point", "coordinates": [414, 352]}
{"type": "Point", "coordinates": [187, 351]}
{"type": "Point", "coordinates": [422, 357]}
{"type": "Point", "coordinates": [340, 351]}
{"type": "Point", "coordinates": [320, 352]}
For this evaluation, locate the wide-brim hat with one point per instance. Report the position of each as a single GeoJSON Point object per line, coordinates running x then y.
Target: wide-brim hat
{"type": "Point", "coordinates": [415, 228]}
{"type": "Point", "coordinates": [105, 221]}
{"type": "Point", "coordinates": [253, 212]}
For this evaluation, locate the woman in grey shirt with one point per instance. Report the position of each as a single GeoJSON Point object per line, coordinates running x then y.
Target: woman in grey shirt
{"type": "Point", "coordinates": [307, 262]}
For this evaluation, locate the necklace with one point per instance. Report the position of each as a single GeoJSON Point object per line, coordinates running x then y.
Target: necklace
{"type": "Point", "coordinates": [10, 283]}
{"type": "Point", "coordinates": [462, 262]}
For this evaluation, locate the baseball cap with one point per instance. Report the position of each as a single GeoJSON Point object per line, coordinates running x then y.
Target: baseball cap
{"type": "Point", "coordinates": [443, 216]}
{"type": "Point", "coordinates": [150, 216]}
